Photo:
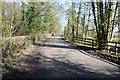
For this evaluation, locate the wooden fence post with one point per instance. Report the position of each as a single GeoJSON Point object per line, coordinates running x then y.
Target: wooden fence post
{"type": "Point", "coordinates": [84, 41]}
{"type": "Point", "coordinates": [115, 48]}
{"type": "Point", "coordinates": [92, 43]}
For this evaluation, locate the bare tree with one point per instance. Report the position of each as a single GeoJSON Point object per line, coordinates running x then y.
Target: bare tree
{"type": "Point", "coordinates": [104, 21]}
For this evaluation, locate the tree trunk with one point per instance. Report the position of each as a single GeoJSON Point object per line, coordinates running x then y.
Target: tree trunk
{"type": "Point", "coordinates": [73, 21]}
{"type": "Point", "coordinates": [78, 22]}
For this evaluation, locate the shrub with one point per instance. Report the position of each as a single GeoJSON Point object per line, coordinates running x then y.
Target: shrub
{"type": "Point", "coordinates": [13, 47]}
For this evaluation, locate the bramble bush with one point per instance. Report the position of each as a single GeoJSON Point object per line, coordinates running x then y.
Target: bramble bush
{"type": "Point", "coordinates": [13, 47]}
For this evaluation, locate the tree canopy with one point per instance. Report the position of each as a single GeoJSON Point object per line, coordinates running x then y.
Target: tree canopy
{"type": "Point", "coordinates": [29, 18]}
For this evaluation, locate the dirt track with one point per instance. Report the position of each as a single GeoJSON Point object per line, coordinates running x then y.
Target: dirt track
{"type": "Point", "coordinates": [57, 59]}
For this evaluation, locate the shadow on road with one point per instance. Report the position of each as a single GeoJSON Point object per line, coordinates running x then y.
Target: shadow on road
{"type": "Point", "coordinates": [78, 47]}
{"type": "Point", "coordinates": [59, 46]}
{"type": "Point", "coordinates": [40, 66]}
{"type": "Point", "coordinates": [37, 65]}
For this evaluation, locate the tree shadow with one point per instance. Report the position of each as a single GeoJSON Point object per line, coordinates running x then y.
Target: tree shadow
{"type": "Point", "coordinates": [40, 66]}
{"type": "Point", "coordinates": [102, 57]}
{"type": "Point", "coordinates": [59, 46]}
{"type": "Point", "coordinates": [114, 60]}
{"type": "Point", "coordinates": [37, 65]}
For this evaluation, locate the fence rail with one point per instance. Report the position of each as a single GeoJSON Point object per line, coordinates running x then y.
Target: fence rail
{"type": "Point", "coordinates": [111, 46]}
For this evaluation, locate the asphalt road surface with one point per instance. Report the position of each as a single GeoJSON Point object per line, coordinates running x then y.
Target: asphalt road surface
{"type": "Point", "coordinates": [57, 59]}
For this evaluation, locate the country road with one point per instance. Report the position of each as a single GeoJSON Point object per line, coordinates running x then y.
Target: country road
{"type": "Point", "coordinates": [58, 59]}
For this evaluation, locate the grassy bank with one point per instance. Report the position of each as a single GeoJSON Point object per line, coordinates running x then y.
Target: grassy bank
{"type": "Point", "coordinates": [14, 47]}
